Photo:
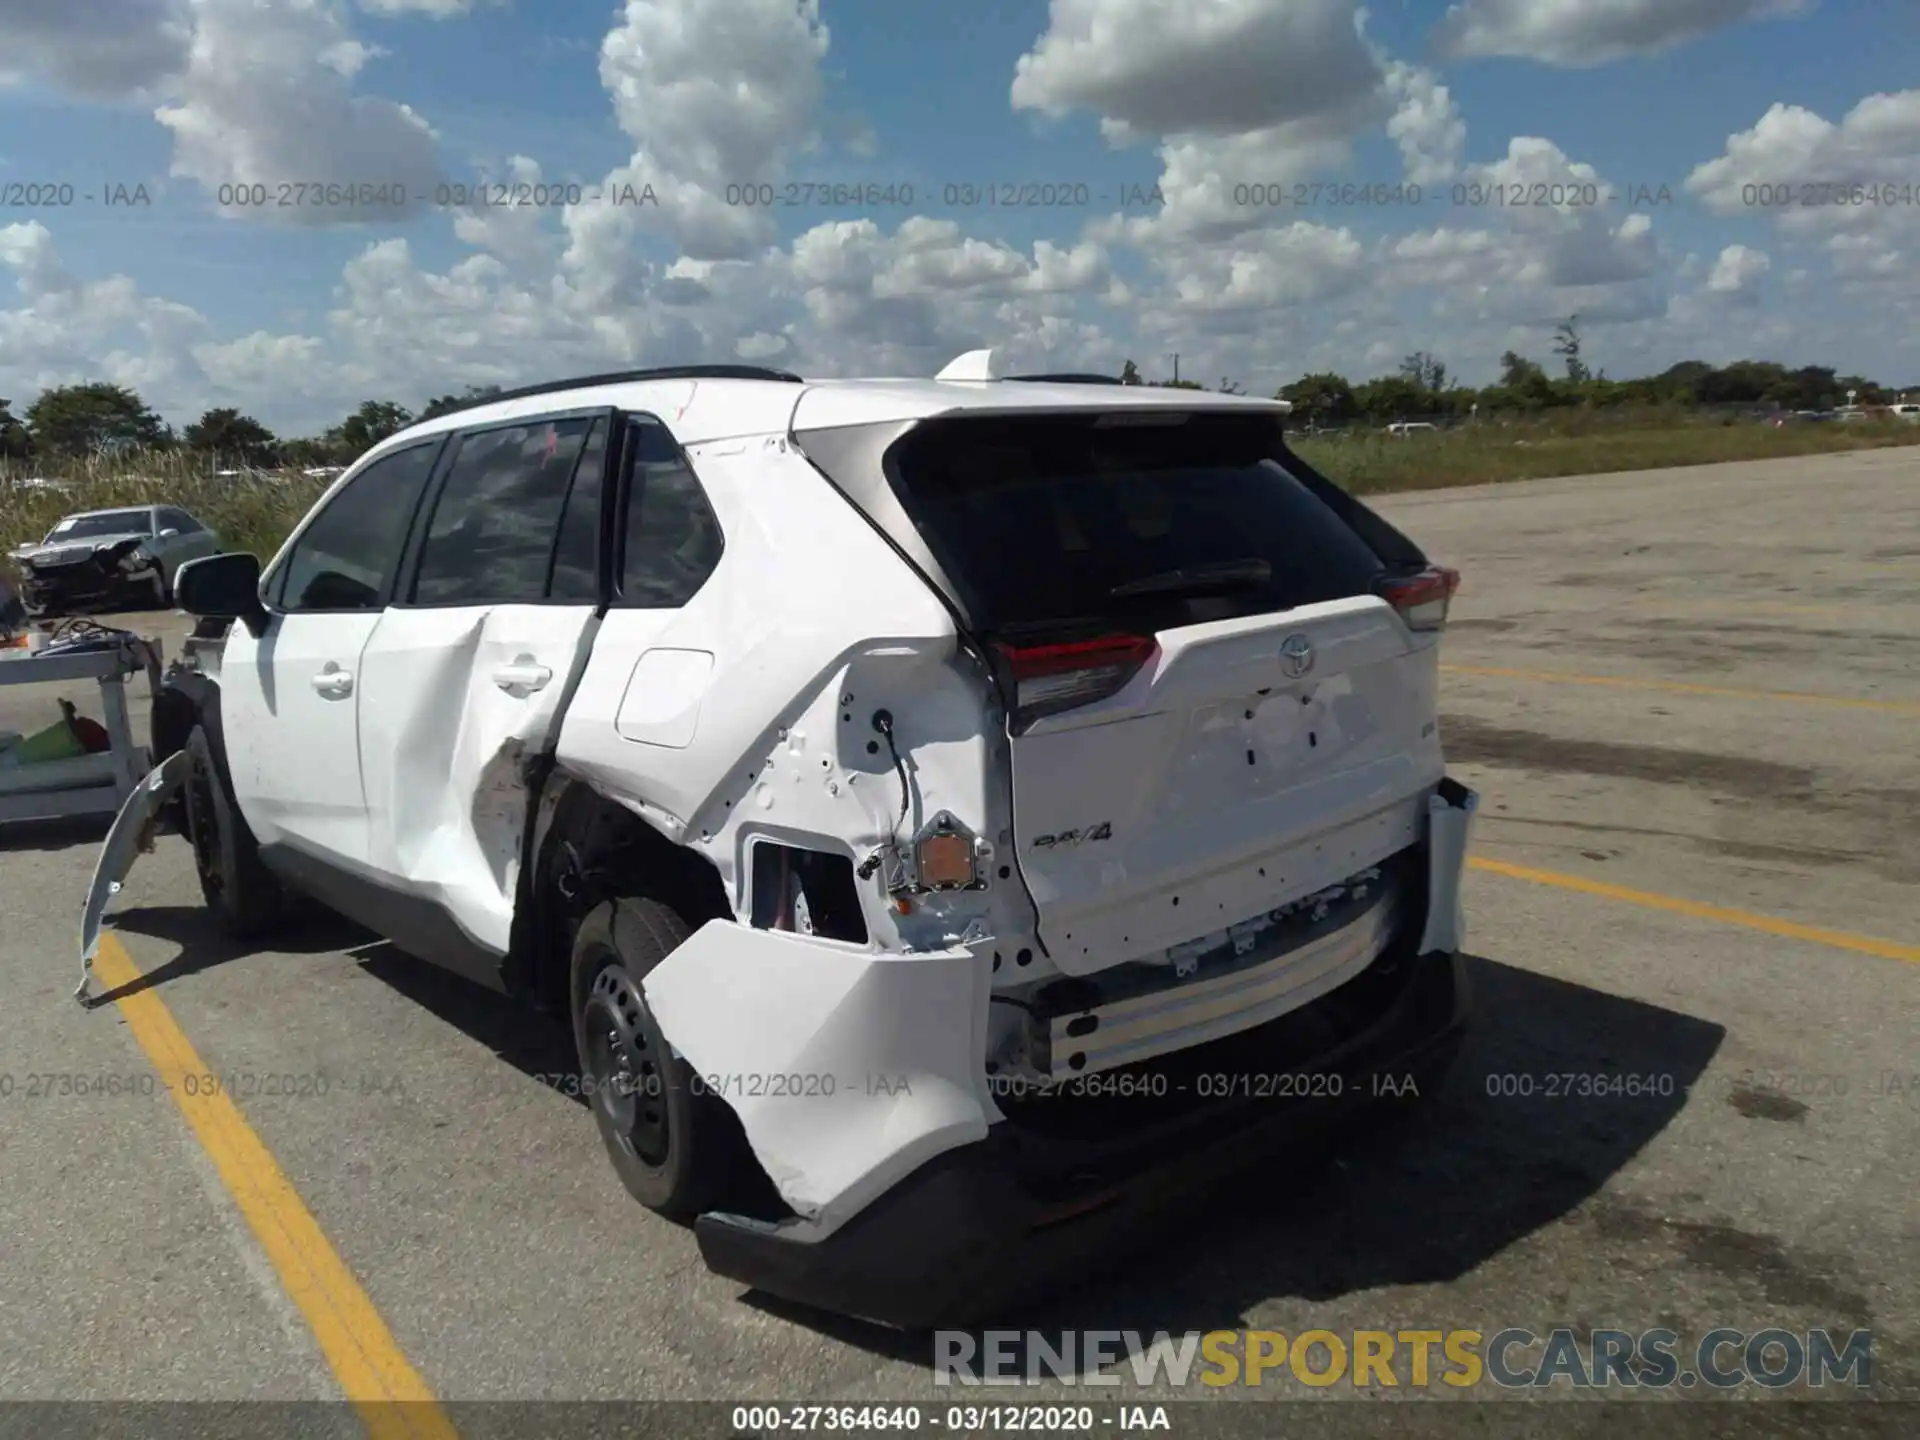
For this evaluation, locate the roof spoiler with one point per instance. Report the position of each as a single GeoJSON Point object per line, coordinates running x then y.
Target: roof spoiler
{"type": "Point", "coordinates": [982, 365]}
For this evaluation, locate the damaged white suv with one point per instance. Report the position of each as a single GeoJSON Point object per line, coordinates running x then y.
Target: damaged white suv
{"type": "Point", "coordinates": [954, 814]}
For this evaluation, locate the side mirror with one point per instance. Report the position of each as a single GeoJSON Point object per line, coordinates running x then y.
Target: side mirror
{"type": "Point", "coordinates": [167, 534]}
{"type": "Point", "coordinates": [222, 587]}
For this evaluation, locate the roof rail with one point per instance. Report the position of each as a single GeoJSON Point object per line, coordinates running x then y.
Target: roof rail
{"type": "Point", "coordinates": [1069, 379]}
{"type": "Point", "coordinates": [666, 372]}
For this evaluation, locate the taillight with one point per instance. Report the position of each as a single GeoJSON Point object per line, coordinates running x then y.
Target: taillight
{"type": "Point", "coordinates": [1051, 678]}
{"type": "Point", "coordinates": [1422, 599]}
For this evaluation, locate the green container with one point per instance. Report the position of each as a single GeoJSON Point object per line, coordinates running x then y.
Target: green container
{"type": "Point", "coordinates": [56, 742]}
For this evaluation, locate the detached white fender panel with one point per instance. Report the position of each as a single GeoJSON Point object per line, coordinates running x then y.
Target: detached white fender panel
{"type": "Point", "coordinates": [848, 1068]}
{"type": "Point", "coordinates": [130, 838]}
{"type": "Point", "coordinates": [1450, 823]}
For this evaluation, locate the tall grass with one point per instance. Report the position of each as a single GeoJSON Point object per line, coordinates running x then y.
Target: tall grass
{"type": "Point", "coordinates": [255, 511]}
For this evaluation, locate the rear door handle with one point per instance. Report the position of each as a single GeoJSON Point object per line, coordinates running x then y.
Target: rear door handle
{"type": "Point", "coordinates": [333, 682]}
{"type": "Point", "coordinates": [525, 673]}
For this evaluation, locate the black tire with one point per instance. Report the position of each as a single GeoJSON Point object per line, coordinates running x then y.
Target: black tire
{"type": "Point", "coordinates": [676, 1149]}
{"type": "Point", "coordinates": [171, 721]}
{"type": "Point", "coordinates": [244, 896]}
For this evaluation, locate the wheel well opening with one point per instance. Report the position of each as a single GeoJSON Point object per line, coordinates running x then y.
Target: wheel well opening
{"type": "Point", "coordinates": [594, 850]}
{"type": "Point", "coordinates": [173, 717]}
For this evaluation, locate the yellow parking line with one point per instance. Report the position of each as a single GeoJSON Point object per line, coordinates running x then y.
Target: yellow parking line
{"type": "Point", "coordinates": [1678, 687]}
{"type": "Point", "coordinates": [392, 1398]}
{"type": "Point", "coordinates": [1747, 920]}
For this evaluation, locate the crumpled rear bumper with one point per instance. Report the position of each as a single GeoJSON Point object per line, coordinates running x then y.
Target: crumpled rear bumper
{"type": "Point", "coordinates": [935, 1197]}
{"type": "Point", "coordinates": [992, 1224]}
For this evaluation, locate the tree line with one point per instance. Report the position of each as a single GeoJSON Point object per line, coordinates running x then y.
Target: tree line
{"type": "Point", "coordinates": [76, 421]}
{"type": "Point", "coordinates": [101, 419]}
{"type": "Point", "coordinates": [1421, 388]}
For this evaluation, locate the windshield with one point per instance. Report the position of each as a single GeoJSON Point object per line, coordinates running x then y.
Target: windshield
{"type": "Point", "coordinates": [109, 522]}
{"type": "Point", "coordinates": [1055, 521]}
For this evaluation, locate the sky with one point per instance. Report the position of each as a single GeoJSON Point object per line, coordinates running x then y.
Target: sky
{"type": "Point", "coordinates": [291, 206]}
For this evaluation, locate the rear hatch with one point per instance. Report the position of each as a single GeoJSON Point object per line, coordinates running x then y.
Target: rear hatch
{"type": "Point", "coordinates": [1220, 671]}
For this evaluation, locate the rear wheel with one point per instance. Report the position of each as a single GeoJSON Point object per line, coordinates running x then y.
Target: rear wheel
{"type": "Point", "coordinates": [245, 898]}
{"type": "Point", "coordinates": [677, 1150]}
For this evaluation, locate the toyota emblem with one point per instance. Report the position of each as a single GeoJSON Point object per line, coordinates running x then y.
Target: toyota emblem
{"type": "Point", "coordinates": [1296, 656]}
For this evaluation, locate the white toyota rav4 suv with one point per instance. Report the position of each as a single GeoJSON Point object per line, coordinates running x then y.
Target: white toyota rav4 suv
{"type": "Point", "coordinates": [956, 815]}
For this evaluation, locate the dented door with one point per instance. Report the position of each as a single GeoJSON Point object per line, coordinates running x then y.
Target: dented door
{"type": "Point", "coordinates": [468, 670]}
{"type": "Point", "coordinates": [455, 704]}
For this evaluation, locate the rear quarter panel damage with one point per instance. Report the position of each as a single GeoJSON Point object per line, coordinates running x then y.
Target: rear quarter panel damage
{"type": "Point", "coordinates": [813, 624]}
{"type": "Point", "coordinates": [848, 1065]}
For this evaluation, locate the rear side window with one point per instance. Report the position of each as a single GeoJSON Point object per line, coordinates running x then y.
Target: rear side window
{"type": "Point", "coordinates": [673, 540]}
{"type": "Point", "coordinates": [346, 557]}
{"type": "Point", "coordinates": [491, 539]}
{"type": "Point", "coordinates": [1059, 522]}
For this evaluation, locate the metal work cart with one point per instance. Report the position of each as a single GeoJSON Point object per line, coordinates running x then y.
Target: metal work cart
{"type": "Point", "coordinates": [88, 784]}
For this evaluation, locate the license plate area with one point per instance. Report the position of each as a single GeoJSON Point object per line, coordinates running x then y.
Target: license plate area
{"type": "Point", "coordinates": [1217, 984]}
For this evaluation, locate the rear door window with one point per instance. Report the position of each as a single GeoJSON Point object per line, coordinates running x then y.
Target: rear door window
{"type": "Point", "coordinates": [495, 524]}
{"type": "Point", "coordinates": [1056, 522]}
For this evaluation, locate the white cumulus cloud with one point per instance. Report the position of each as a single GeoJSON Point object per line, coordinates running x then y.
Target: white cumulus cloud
{"type": "Point", "coordinates": [94, 49]}
{"type": "Point", "coordinates": [1584, 33]}
{"type": "Point", "coordinates": [267, 100]}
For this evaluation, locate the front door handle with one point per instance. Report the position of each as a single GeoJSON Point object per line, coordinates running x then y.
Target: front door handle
{"type": "Point", "coordinates": [525, 673]}
{"type": "Point", "coordinates": [333, 682]}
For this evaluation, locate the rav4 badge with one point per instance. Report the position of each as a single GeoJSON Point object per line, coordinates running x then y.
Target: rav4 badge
{"type": "Point", "coordinates": [1102, 831]}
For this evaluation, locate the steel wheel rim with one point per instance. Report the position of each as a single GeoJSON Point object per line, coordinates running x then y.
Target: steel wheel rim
{"type": "Point", "coordinates": [625, 1067]}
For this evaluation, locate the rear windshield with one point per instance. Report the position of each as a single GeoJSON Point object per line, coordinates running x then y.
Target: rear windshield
{"type": "Point", "coordinates": [1055, 522]}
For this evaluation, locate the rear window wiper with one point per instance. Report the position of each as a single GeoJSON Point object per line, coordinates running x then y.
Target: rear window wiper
{"type": "Point", "coordinates": [1198, 579]}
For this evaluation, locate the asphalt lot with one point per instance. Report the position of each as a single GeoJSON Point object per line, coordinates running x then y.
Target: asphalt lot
{"type": "Point", "coordinates": [1699, 687]}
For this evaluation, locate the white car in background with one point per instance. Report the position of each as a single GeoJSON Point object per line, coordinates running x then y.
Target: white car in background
{"type": "Point", "coordinates": [122, 557]}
